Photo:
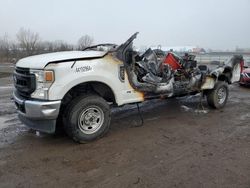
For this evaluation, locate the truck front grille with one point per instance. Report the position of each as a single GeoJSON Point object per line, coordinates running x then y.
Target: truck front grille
{"type": "Point", "coordinates": [25, 83]}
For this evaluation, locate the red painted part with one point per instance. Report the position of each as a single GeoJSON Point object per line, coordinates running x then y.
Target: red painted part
{"type": "Point", "coordinates": [244, 80]}
{"type": "Point", "coordinates": [170, 60]}
{"type": "Point", "coordinates": [241, 66]}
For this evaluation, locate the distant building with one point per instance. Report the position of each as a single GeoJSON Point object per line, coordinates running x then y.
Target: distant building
{"type": "Point", "coordinates": [246, 50]}
{"type": "Point", "coordinates": [190, 49]}
{"type": "Point", "coordinates": [199, 50]}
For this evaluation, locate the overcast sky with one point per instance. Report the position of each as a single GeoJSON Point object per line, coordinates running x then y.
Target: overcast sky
{"type": "Point", "coordinates": [218, 24]}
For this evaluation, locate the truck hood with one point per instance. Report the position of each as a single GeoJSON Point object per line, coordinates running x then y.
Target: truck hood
{"type": "Point", "coordinates": [40, 61]}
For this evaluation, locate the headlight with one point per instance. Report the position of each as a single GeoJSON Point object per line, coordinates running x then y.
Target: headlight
{"type": "Point", "coordinates": [44, 79]}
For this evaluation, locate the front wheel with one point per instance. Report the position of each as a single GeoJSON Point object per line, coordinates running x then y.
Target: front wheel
{"type": "Point", "coordinates": [87, 118]}
{"type": "Point", "coordinates": [217, 97]}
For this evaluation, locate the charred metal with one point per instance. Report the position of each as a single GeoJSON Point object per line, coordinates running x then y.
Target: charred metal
{"type": "Point", "coordinates": [171, 75]}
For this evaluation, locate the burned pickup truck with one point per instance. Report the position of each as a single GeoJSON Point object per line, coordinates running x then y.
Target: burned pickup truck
{"type": "Point", "coordinates": [76, 89]}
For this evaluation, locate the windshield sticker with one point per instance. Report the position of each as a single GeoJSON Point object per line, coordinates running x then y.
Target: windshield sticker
{"type": "Point", "coordinates": [83, 69]}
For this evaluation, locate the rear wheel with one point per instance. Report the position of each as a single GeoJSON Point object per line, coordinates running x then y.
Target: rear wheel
{"type": "Point", "coordinates": [87, 118]}
{"type": "Point", "coordinates": [217, 97]}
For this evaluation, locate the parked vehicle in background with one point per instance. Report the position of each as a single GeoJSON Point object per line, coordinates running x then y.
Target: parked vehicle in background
{"type": "Point", "coordinates": [76, 89]}
{"type": "Point", "coordinates": [245, 75]}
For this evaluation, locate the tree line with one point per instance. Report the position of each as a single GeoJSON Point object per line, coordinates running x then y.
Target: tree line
{"type": "Point", "coordinates": [29, 43]}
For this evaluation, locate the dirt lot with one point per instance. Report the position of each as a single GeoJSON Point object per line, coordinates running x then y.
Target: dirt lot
{"type": "Point", "coordinates": [178, 146]}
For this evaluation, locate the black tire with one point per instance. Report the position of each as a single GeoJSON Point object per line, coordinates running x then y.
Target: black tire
{"type": "Point", "coordinates": [79, 115]}
{"type": "Point", "coordinates": [214, 98]}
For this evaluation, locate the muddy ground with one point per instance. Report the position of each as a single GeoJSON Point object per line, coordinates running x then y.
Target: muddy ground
{"type": "Point", "coordinates": [179, 145]}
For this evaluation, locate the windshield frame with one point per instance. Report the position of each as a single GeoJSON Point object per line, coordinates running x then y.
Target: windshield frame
{"type": "Point", "coordinates": [104, 44]}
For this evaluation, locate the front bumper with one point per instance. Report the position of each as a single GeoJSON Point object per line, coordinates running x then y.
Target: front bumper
{"type": "Point", "coordinates": [38, 115]}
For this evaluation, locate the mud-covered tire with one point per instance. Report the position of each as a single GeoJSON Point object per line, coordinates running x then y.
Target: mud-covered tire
{"type": "Point", "coordinates": [87, 118]}
{"type": "Point", "coordinates": [217, 97]}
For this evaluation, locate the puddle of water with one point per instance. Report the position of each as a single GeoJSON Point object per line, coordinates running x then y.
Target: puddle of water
{"type": "Point", "coordinates": [198, 111]}
{"type": "Point", "coordinates": [186, 108]}
{"type": "Point", "coordinates": [10, 128]}
{"type": "Point", "coordinates": [7, 87]}
{"type": "Point", "coordinates": [201, 111]}
{"type": "Point", "coordinates": [3, 123]}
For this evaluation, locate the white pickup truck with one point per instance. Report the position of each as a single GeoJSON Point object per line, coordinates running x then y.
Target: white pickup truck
{"type": "Point", "coordinates": [76, 89]}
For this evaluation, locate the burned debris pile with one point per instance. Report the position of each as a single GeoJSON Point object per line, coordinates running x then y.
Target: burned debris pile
{"type": "Point", "coordinates": [170, 74]}
{"type": "Point", "coordinates": [155, 72]}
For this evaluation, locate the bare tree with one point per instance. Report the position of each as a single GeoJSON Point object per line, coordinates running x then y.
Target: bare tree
{"type": "Point", "coordinates": [4, 41]}
{"type": "Point", "coordinates": [27, 40]}
{"type": "Point", "coordinates": [84, 42]}
{"type": "Point", "coordinates": [60, 45]}
{"type": "Point", "coordinates": [5, 48]}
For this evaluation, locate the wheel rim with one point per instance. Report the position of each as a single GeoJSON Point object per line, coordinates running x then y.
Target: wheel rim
{"type": "Point", "coordinates": [91, 119]}
{"type": "Point", "coordinates": [222, 94]}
